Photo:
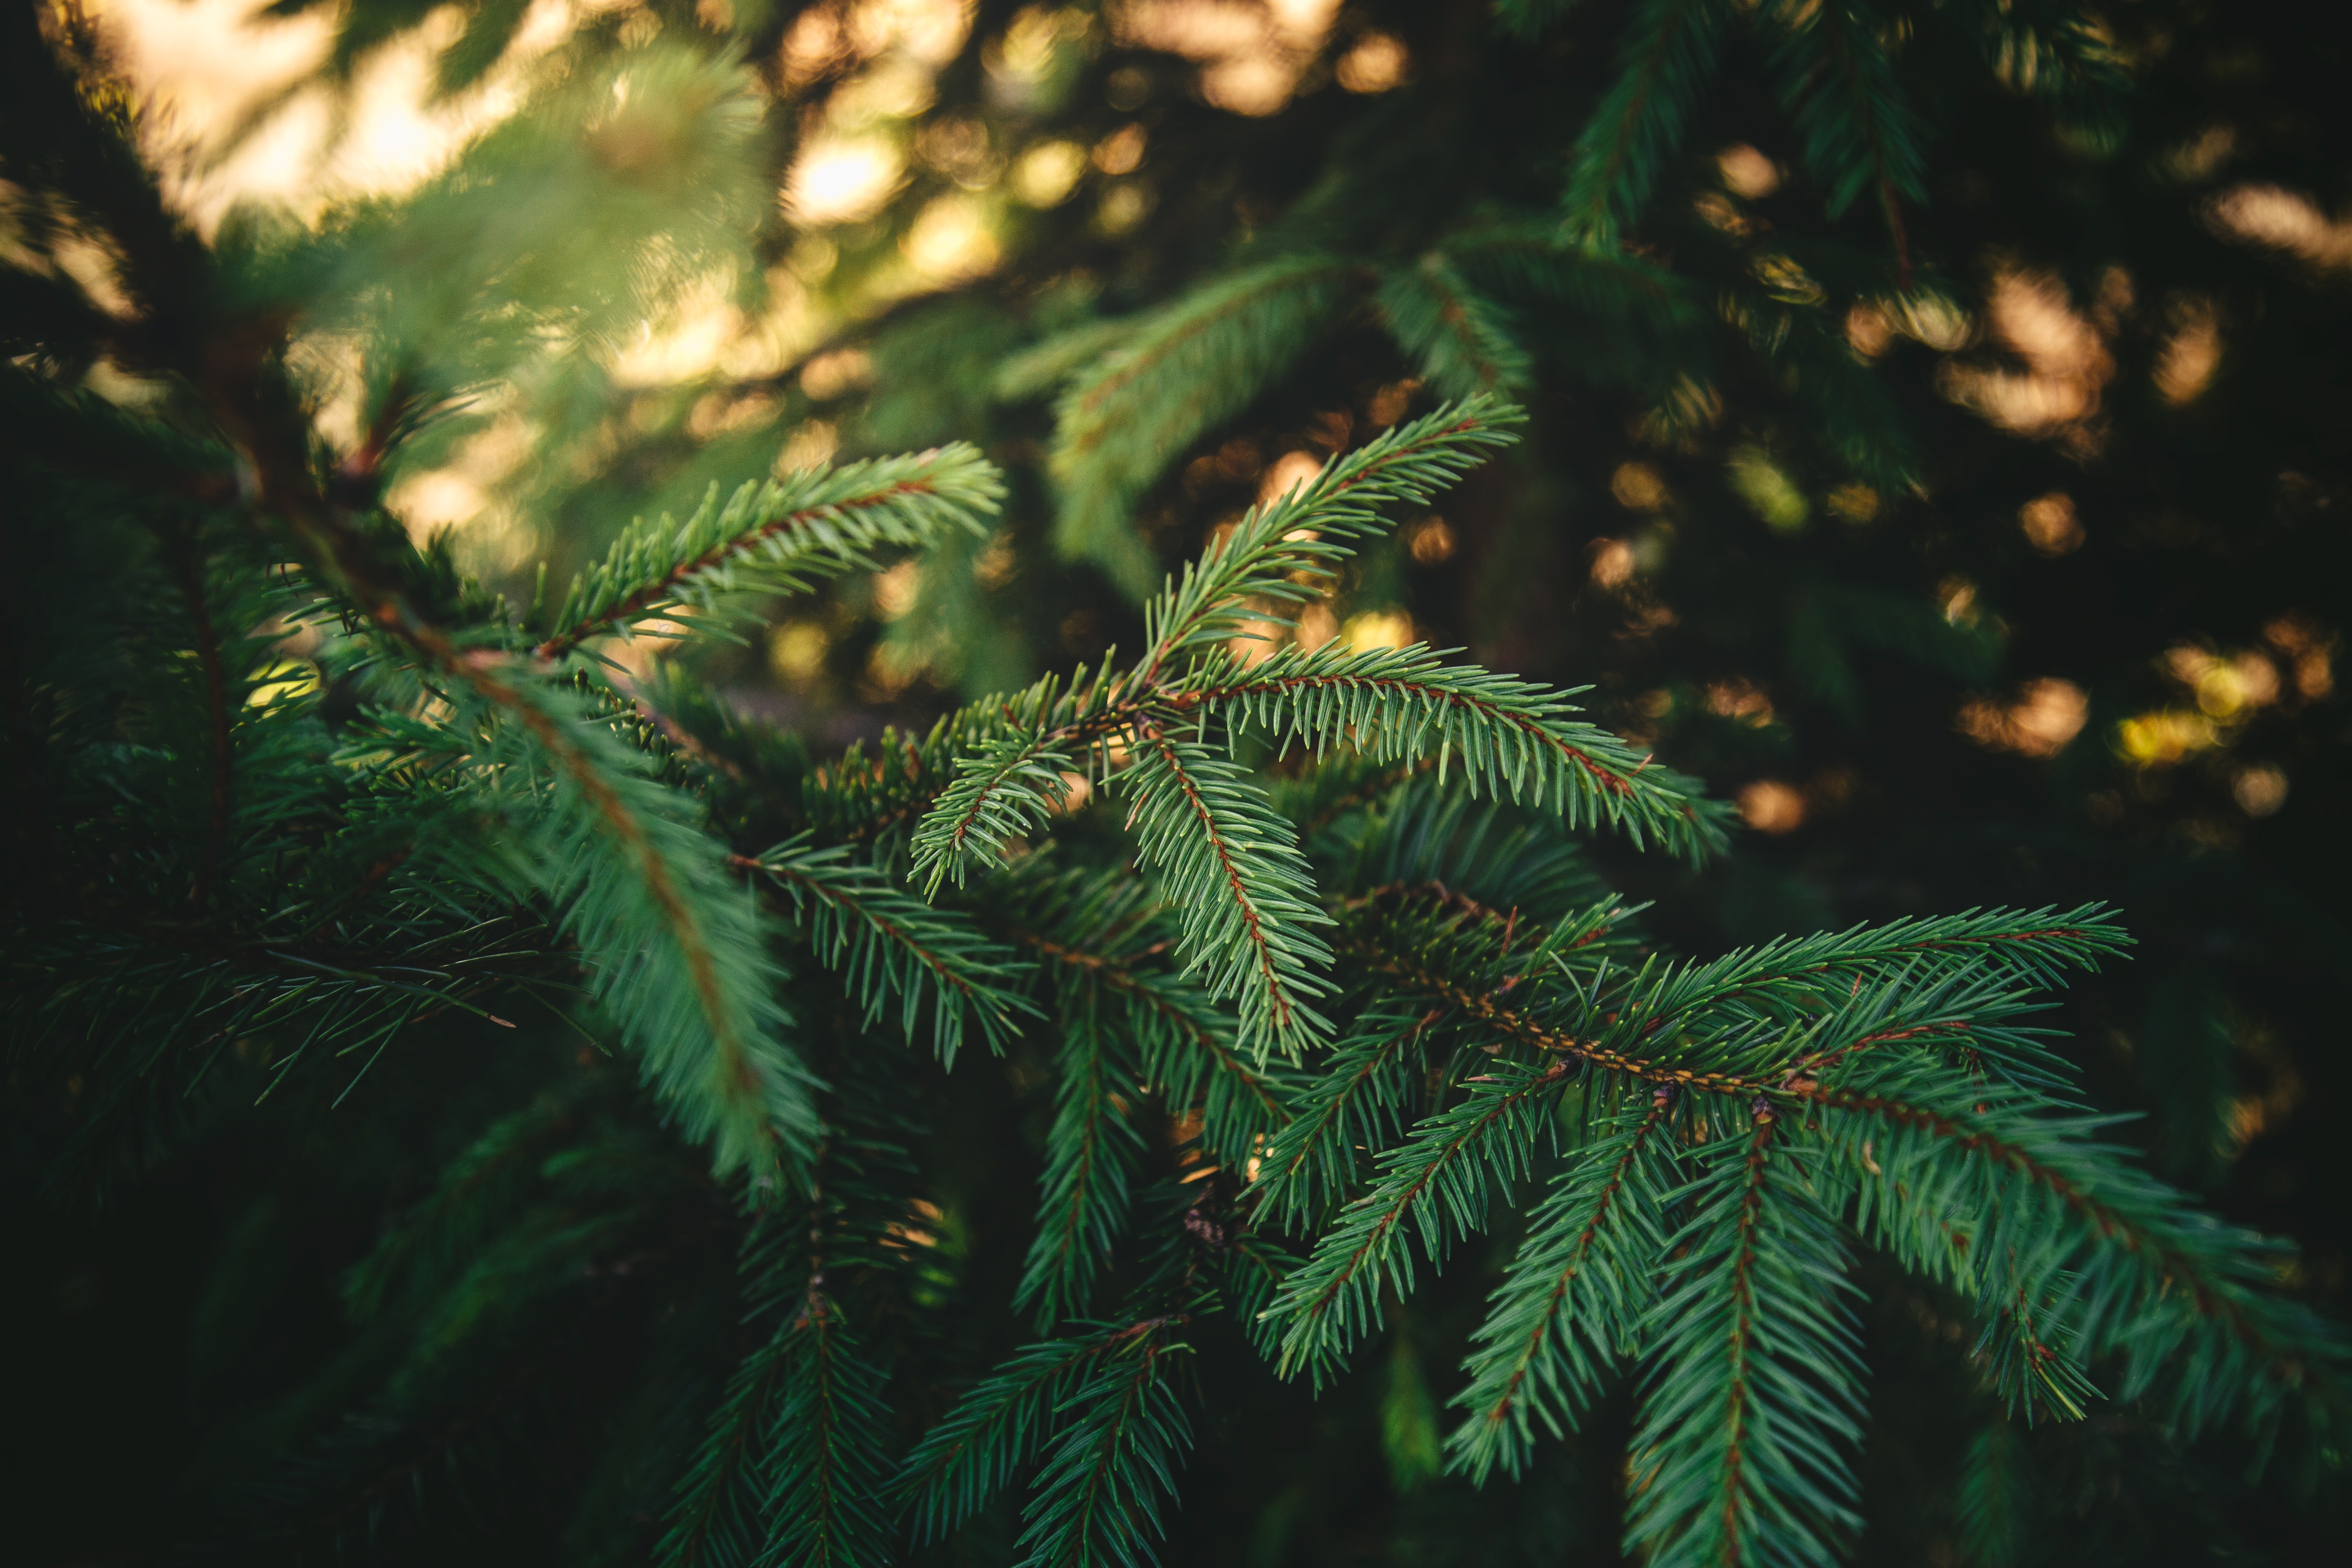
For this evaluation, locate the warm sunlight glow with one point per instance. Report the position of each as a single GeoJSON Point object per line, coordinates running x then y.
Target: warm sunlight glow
{"type": "Point", "coordinates": [839, 181]}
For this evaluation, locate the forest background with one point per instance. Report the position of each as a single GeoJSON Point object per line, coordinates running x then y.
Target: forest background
{"type": "Point", "coordinates": [1979, 527]}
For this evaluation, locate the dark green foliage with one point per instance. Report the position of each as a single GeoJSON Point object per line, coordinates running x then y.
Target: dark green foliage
{"type": "Point", "coordinates": [1122, 1113]}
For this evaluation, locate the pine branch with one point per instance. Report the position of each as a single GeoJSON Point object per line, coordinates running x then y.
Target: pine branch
{"type": "Point", "coordinates": [1240, 888]}
{"type": "Point", "coordinates": [1099, 1490]}
{"type": "Point", "coordinates": [1019, 750]}
{"type": "Point", "coordinates": [2107, 1261]}
{"type": "Point", "coordinates": [1178, 373]}
{"type": "Point", "coordinates": [1569, 1310]}
{"type": "Point", "coordinates": [829, 1443]}
{"type": "Point", "coordinates": [1664, 63]}
{"type": "Point", "coordinates": [1284, 550]}
{"type": "Point", "coordinates": [718, 1517]}
{"type": "Point", "coordinates": [1752, 1394]}
{"type": "Point", "coordinates": [1511, 736]}
{"type": "Point", "coordinates": [889, 945]}
{"type": "Point", "coordinates": [1441, 1181]}
{"type": "Point", "coordinates": [1860, 131]}
{"type": "Point", "coordinates": [998, 1424]}
{"type": "Point", "coordinates": [1105, 934]}
{"type": "Point", "coordinates": [1358, 1101]}
{"type": "Point", "coordinates": [1091, 1158]}
{"type": "Point", "coordinates": [676, 955]}
{"type": "Point", "coordinates": [1464, 343]}
{"type": "Point", "coordinates": [776, 537]}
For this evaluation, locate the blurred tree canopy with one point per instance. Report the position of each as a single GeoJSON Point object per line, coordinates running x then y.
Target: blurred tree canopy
{"type": "Point", "coordinates": [1938, 441]}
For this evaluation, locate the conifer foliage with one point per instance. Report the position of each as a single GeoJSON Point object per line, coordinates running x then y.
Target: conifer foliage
{"type": "Point", "coordinates": [1305, 942]}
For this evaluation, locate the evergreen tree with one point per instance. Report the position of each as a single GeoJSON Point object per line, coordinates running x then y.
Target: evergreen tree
{"type": "Point", "coordinates": [1009, 1136]}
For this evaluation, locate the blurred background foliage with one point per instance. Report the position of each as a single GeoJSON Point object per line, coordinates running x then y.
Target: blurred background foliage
{"type": "Point", "coordinates": [1977, 519]}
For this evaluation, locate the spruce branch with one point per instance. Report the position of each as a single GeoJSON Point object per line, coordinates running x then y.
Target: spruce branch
{"type": "Point", "coordinates": [1000, 1422]}
{"type": "Point", "coordinates": [891, 946]}
{"type": "Point", "coordinates": [1665, 62]}
{"type": "Point", "coordinates": [775, 537]}
{"type": "Point", "coordinates": [1465, 344]}
{"type": "Point", "coordinates": [830, 1451]}
{"type": "Point", "coordinates": [1571, 1309]}
{"type": "Point", "coordinates": [1441, 1183]}
{"type": "Point", "coordinates": [1752, 1396]}
{"type": "Point", "coordinates": [1092, 1157]}
{"type": "Point", "coordinates": [1861, 133]}
{"type": "Point", "coordinates": [1175, 376]}
{"type": "Point", "coordinates": [1242, 891]}
{"type": "Point", "coordinates": [1511, 736]}
{"type": "Point", "coordinates": [1099, 1491]}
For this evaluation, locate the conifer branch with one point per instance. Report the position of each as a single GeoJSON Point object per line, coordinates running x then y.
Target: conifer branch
{"type": "Point", "coordinates": [1239, 887]}
{"type": "Point", "coordinates": [1442, 1179]}
{"type": "Point", "coordinates": [891, 945]}
{"type": "Point", "coordinates": [1091, 1158]}
{"type": "Point", "coordinates": [775, 537]}
{"type": "Point", "coordinates": [1099, 1490]}
{"type": "Point", "coordinates": [1567, 1311]}
{"type": "Point", "coordinates": [1511, 736]}
{"type": "Point", "coordinates": [1356, 1102]}
{"type": "Point", "coordinates": [1465, 343]}
{"type": "Point", "coordinates": [829, 1465]}
{"type": "Point", "coordinates": [999, 1424]}
{"type": "Point", "coordinates": [1176, 375]}
{"type": "Point", "coordinates": [1752, 1392]}
{"type": "Point", "coordinates": [1664, 63]}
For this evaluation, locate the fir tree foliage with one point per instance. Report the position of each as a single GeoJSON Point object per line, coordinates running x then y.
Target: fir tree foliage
{"type": "Point", "coordinates": [1303, 943]}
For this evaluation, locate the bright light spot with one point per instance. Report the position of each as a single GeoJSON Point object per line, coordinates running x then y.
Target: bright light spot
{"type": "Point", "coordinates": [2050, 523]}
{"type": "Point", "coordinates": [1769, 806]}
{"type": "Point", "coordinates": [994, 567]}
{"type": "Point", "coordinates": [796, 652]}
{"type": "Point", "coordinates": [2156, 740]}
{"type": "Point", "coordinates": [1869, 331]}
{"type": "Point", "coordinates": [2260, 791]}
{"type": "Point", "coordinates": [841, 180]}
{"type": "Point", "coordinates": [1768, 492]}
{"type": "Point", "coordinates": [810, 446]}
{"type": "Point", "coordinates": [1638, 487]}
{"type": "Point", "coordinates": [1287, 473]}
{"type": "Point", "coordinates": [1121, 152]}
{"type": "Point", "coordinates": [1747, 173]}
{"type": "Point", "coordinates": [1377, 64]}
{"type": "Point", "coordinates": [1378, 629]}
{"type": "Point", "coordinates": [1077, 789]}
{"type": "Point", "coordinates": [1251, 56]}
{"type": "Point", "coordinates": [1389, 403]}
{"type": "Point", "coordinates": [2309, 648]}
{"type": "Point", "coordinates": [691, 341]}
{"type": "Point", "coordinates": [1430, 541]}
{"type": "Point", "coordinates": [2044, 715]}
{"type": "Point", "coordinates": [1612, 562]}
{"type": "Point", "coordinates": [1048, 171]}
{"type": "Point", "coordinates": [1935, 320]}
{"type": "Point", "coordinates": [2065, 358]}
{"type": "Point", "coordinates": [1019, 59]}
{"type": "Point", "coordinates": [2282, 220]}
{"type": "Point", "coordinates": [828, 376]}
{"type": "Point", "coordinates": [199, 70]}
{"type": "Point", "coordinates": [951, 240]}
{"type": "Point", "coordinates": [1124, 206]}
{"type": "Point", "coordinates": [1316, 626]}
{"type": "Point", "coordinates": [1740, 700]}
{"type": "Point", "coordinates": [2192, 353]}
{"type": "Point", "coordinates": [2224, 688]}
{"type": "Point", "coordinates": [894, 590]}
